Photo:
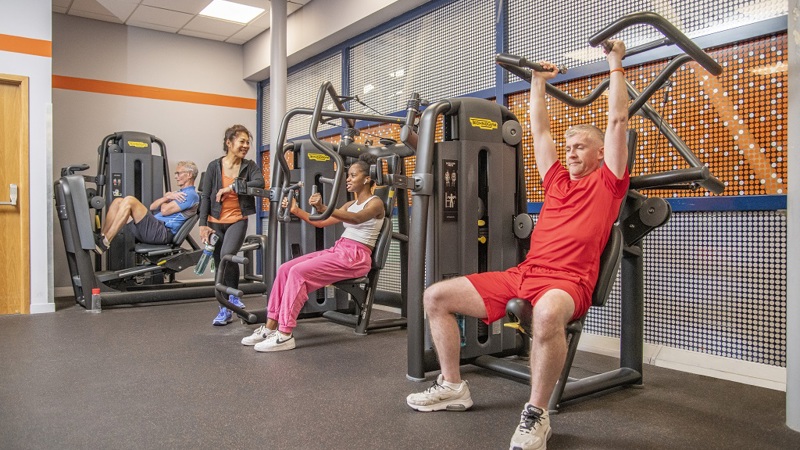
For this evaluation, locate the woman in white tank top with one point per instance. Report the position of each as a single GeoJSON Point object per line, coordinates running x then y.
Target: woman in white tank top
{"type": "Point", "coordinates": [350, 257]}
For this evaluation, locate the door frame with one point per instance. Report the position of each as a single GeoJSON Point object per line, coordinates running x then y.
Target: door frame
{"type": "Point", "coordinates": [23, 200]}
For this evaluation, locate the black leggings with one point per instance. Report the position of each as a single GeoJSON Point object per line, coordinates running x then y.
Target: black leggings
{"type": "Point", "coordinates": [231, 238]}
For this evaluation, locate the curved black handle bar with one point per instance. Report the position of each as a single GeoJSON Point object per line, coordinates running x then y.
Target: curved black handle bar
{"type": "Point", "coordinates": [697, 177]}
{"type": "Point", "coordinates": [689, 178]}
{"type": "Point", "coordinates": [284, 214]}
{"type": "Point", "coordinates": [667, 29]}
{"type": "Point", "coordinates": [281, 177]}
{"type": "Point", "coordinates": [70, 170]}
{"type": "Point", "coordinates": [519, 61]}
{"type": "Point", "coordinates": [327, 149]}
{"type": "Point", "coordinates": [222, 291]}
{"type": "Point", "coordinates": [525, 74]}
{"type": "Point", "coordinates": [642, 99]}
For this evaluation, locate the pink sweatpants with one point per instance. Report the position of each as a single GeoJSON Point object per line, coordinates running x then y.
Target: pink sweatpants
{"type": "Point", "coordinates": [307, 273]}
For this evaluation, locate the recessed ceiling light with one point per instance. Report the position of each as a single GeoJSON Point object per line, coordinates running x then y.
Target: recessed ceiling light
{"type": "Point", "coordinates": [234, 12]}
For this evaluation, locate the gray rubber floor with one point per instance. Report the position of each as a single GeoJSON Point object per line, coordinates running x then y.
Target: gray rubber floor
{"type": "Point", "coordinates": [162, 377]}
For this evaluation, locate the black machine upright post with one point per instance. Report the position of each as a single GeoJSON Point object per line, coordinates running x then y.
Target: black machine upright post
{"type": "Point", "coordinates": [632, 305]}
{"type": "Point", "coordinates": [128, 167]}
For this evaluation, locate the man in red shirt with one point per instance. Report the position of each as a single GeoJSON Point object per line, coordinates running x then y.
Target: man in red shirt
{"type": "Point", "coordinates": [582, 201]}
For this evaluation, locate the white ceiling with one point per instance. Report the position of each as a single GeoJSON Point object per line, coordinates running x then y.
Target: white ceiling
{"type": "Point", "coordinates": [174, 16]}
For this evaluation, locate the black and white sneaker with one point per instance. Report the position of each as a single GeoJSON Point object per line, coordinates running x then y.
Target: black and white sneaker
{"type": "Point", "coordinates": [100, 246]}
{"type": "Point", "coordinates": [261, 334]}
{"type": "Point", "coordinates": [276, 342]}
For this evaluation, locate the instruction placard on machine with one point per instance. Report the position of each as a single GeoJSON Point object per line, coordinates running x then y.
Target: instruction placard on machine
{"type": "Point", "coordinates": [450, 190]}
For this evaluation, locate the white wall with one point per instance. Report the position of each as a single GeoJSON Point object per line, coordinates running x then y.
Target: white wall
{"type": "Point", "coordinates": [319, 26]}
{"type": "Point", "coordinates": [97, 50]}
{"type": "Point", "coordinates": [31, 19]}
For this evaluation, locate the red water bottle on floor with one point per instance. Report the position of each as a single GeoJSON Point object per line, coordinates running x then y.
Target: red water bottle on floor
{"type": "Point", "coordinates": [96, 304]}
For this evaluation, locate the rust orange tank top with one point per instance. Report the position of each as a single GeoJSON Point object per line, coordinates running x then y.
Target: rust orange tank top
{"type": "Point", "coordinates": [231, 213]}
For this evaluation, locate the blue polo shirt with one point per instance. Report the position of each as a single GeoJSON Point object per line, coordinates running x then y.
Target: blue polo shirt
{"type": "Point", "coordinates": [188, 208]}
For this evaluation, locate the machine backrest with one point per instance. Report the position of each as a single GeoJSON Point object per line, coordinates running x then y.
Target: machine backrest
{"type": "Point", "coordinates": [382, 244]}
{"type": "Point", "coordinates": [384, 241]}
{"type": "Point", "coordinates": [184, 230]}
{"type": "Point", "coordinates": [609, 266]}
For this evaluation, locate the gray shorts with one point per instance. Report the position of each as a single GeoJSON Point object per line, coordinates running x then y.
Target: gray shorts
{"type": "Point", "coordinates": [151, 230]}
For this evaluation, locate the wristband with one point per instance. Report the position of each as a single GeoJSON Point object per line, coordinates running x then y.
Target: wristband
{"type": "Point", "coordinates": [618, 69]}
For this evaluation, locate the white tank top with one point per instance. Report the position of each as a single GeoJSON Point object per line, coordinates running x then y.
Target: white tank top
{"type": "Point", "coordinates": [365, 232]}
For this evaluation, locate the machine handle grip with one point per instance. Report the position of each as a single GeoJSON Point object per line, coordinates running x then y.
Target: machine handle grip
{"type": "Point", "coordinates": [519, 61]}
{"type": "Point", "coordinates": [667, 29]}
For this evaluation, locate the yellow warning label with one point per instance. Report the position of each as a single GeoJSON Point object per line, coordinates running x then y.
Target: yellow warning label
{"type": "Point", "coordinates": [483, 124]}
{"type": "Point", "coordinates": [137, 144]}
{"type": "Point", "coordinates": [319, 157]}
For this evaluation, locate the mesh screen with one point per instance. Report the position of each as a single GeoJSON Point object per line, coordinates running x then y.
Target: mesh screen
{"type": "Point", "coordinates": [534, 33]}
{"type": "Point", "coordinates": [446, 53]}
{"type": "Point", "coordinates": [714, 282]}
{"type": "Point", "coordinates": [734, 123]}
{"type": "Point", "coordinates": [302, 88]}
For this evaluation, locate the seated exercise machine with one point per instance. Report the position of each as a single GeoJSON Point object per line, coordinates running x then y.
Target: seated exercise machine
{"type": "Point", "coordinates": [129, 272]}
{"type": "Point", "coordinates": [639, 216]}
{"type": "Point", "coordinates": [320, 167]}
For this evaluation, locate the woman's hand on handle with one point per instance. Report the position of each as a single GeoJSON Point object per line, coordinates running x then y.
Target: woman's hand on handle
{"type": "Point", "coordinates": [316, 201]}
{"type": "Point", "coordinates": [285, 203]}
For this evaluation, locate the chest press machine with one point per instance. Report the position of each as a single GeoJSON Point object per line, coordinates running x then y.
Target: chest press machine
{"type": "Point", "coordinates": [320, 166]}
{"type": "Point", "coordinates": [639, 216]}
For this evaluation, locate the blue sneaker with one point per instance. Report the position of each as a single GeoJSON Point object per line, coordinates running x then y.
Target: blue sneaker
{"type": "Point", "coordinates": [223, 318]}
{"type": "Point", "coordinates": [235, 301]}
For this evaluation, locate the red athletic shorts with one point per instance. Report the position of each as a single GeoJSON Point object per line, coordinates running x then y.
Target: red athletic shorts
{"type": "Point", "coordinates": [528, 283]}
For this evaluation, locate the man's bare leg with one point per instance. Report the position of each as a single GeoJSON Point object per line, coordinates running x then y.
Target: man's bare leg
{"type": "Point", "coordinates": [442, 300]}
{"type": "Point", "coordinates": [126, 209]}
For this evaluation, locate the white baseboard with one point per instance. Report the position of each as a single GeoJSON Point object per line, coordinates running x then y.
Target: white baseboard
{"type": "Point", "coordinates": [39, 308]}
{"type": "Point", "coordinates": [746, 372]}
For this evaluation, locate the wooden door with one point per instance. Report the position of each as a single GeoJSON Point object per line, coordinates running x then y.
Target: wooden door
{"type": "Point", "coordinates": [14, 219]}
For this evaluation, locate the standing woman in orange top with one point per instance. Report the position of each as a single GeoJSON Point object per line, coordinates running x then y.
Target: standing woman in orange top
{"type": "Point", "coordinates": [223, 211]}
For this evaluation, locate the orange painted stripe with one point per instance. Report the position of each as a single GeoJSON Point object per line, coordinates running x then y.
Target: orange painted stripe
{"type": "Point", "coordinates": [17, 44]}
{"type": "Point", "coordinates": [134, 90]}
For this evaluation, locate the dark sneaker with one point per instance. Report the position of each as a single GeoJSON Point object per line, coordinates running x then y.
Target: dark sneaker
{"type": "Point", "coordinates": [100, 246]}
{"type": "Point", "coordinates": [533, 430]}
{"type": "Point", "coordinates": [440, 397]}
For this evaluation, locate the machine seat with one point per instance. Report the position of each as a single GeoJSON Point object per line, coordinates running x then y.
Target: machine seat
{"type": "Point", "coordinates": [177, 240]}
{"type": "Point", "coordinates": [362, 289]}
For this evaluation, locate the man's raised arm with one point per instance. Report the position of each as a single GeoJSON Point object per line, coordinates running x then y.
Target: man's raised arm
{"type": "Point", "coordinates": [544, 149]}
{"type": "Point", "coordinates": [616, 149]}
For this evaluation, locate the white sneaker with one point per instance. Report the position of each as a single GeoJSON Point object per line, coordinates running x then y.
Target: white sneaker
{"type": "Point", "coordinates": [260, 334]}
{"type": "Point", "coordinates": [533, 430]}
{"type": "Point", "coordinates": [440, 397]}
{"type": "Point", "coordinates": [275, 343]}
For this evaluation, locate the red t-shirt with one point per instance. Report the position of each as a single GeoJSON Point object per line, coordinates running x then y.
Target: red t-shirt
{"type": "Point", "coordinates": [575, 221]}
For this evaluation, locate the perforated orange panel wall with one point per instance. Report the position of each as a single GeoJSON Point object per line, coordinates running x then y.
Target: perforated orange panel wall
{"type": "Point", "coordinates": [734, 123]}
